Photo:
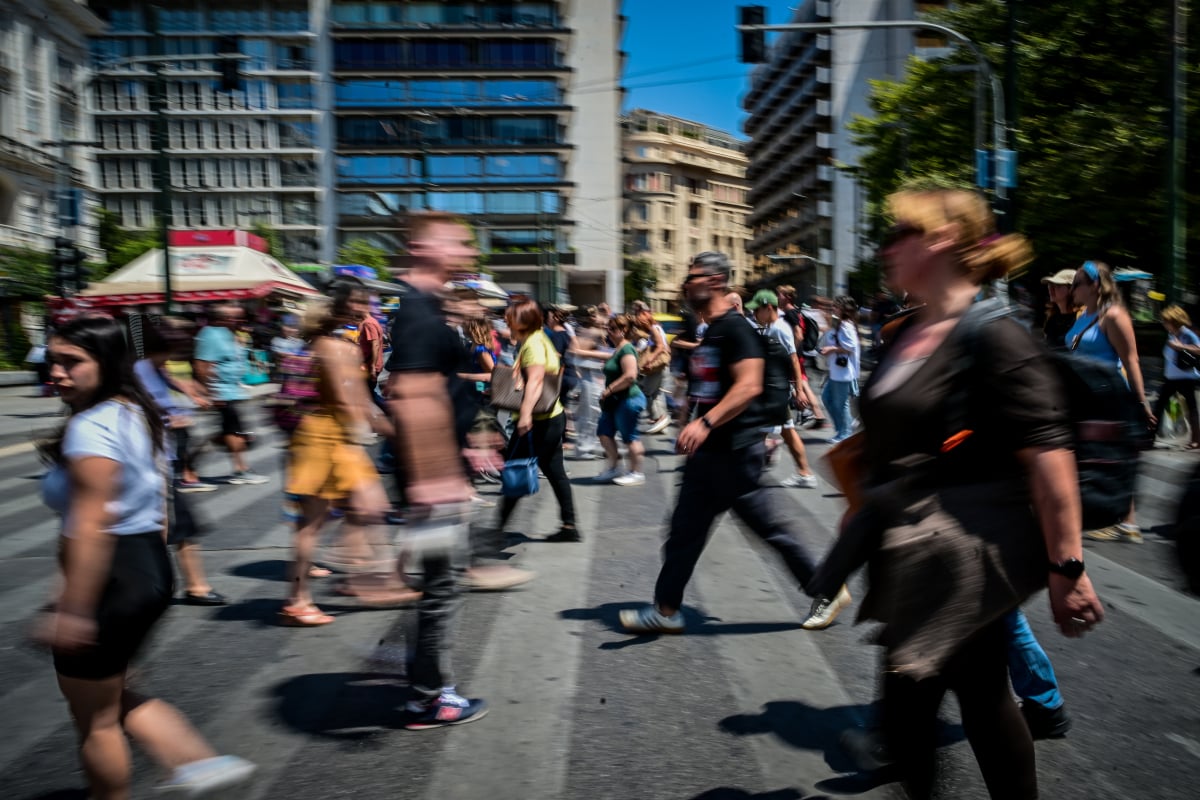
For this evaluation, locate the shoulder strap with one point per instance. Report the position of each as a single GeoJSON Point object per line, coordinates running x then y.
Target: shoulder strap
{"type": "Point", "coordinates": [1079, 336]}
{"type": "Point", "coordinates": [970, 333]}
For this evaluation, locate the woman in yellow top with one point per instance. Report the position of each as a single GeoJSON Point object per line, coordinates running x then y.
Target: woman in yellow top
{"type": "Point", "coordinates": [539, 435]}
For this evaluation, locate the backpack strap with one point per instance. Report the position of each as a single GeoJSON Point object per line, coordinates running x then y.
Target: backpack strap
{"type": "Point", "coordinates": [969, 333]}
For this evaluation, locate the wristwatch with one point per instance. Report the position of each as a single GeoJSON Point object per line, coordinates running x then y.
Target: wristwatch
{"type": "Point", "coordinates": [707, 424]}
{"type": "Point", "coordinates": [1071, 568]}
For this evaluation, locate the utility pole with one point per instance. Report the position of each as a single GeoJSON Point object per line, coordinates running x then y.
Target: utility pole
{"type": "Point", "coordinates": [162, 163]}
{"type": "Point", "coordinates": [1176, 271]}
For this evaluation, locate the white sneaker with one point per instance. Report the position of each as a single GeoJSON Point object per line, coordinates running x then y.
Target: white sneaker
{"type": "Point", "coordinates": [801, 481]}
{"type": "Point", "coordinates": [648, 619]}
{"type": "Point", "coordinates": [248, 478]}
{"type": "Point", "coordinates": [825, 610]}
{"type": "Point", "coordinates": [659, 425]}
{"type": "Point", "coordinates": [609, 475]}
{"type": "Point", "coordinates": [630, 479]}
{"type": "Point", "coordinates": [207, 776]}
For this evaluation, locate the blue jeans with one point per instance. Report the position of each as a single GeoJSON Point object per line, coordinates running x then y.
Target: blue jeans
{"type": "Point", "coordinates": [1029, 668]}
{"type": "Point", "coordinates": [836, 397]}
{"type": "Point", "coordinates": [622, 418]}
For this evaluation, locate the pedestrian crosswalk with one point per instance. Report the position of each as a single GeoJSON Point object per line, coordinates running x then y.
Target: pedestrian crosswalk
{"type": "Point", "coordinates": [747, 705]}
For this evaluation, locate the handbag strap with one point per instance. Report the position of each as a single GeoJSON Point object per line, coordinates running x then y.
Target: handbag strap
{"type": "Point", "coordinates": [517, 440]}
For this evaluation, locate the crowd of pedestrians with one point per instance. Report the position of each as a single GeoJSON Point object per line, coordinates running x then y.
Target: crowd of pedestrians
{"type": "Point", "coordinates": [418, 399]}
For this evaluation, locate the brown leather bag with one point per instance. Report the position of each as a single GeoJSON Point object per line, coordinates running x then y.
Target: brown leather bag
{"type": "Point", "coordinates": [845, 465]}
{"type": "Point", "coordinates": [508, 393]}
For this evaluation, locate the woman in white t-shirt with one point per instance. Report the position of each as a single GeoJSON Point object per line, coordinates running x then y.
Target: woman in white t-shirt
{"type": "Point", "coordinates": [108, 480]}
{"type": "Point", "coordinates": [1183, 345]}
{"type": "Point", "coordinates": [841, 350]}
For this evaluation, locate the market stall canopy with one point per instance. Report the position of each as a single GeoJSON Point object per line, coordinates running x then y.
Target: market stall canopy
{"type": "Point", "coordinates": [199, 275]}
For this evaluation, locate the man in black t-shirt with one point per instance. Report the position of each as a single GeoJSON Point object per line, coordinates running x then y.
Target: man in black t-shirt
{"type": "Point", "coordinates": [433, 410]}
{"type": "Point", "coordinates": [724, 448]}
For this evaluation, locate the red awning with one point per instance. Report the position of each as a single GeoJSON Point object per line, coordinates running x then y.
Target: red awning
{"type": "Point", "coordinates": [207, 296]}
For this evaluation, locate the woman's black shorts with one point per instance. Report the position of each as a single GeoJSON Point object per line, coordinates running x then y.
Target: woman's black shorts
{"type": "Point", "coordinates": [139, 589]}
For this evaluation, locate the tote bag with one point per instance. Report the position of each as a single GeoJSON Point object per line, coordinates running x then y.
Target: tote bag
{"type": "Point", "coordinates": [519, 476]}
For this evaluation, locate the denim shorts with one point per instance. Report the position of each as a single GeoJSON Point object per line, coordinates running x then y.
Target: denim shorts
{"type": "Point", "coordinates": [623, 419]}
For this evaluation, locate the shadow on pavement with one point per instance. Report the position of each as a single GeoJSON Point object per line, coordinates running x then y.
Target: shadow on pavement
{"type": "Point", "coordinates": [342, 705]}
{"type": "Point", "coordinates": [273, 570]}
{"type": "Point", "coordinates": [61, 794]}
{"type": "Point", "coordinates": [806, 727]}
{"type": "Point", "coordinates": [698, 624]}
{"type": "Point", "coordinates": [729, 793]}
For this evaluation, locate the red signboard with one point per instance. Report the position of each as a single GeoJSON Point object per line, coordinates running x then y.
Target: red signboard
{"type": "Point", "coordinates": [217, 239]}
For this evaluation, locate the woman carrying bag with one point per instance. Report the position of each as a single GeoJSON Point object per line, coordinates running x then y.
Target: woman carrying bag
{"type": "Point", "coordinates": [962, 519]}
{"type": "Point", "coordinates": [538, 435]}
{"type": "Point", "coordinates": [1181, 355]}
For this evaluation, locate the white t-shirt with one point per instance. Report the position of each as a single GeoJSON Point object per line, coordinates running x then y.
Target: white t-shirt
{"type": "Point", "coordinates": [1172, 372]}
{"type": "Point", "coordinates": [780, 331]}
{"type": "Point", "coordinates": [118, 432]}
{"type": "Point", "coordinates": [844, 336]}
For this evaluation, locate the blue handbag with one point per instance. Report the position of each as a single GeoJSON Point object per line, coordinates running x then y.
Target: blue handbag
{"type": "Point", "coordinates": [519, 476]}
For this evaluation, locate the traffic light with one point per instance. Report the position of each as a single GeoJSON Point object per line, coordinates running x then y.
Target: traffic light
{"type": "Point", "coordinates": [79, 269]}
{"type": "Point", "coordinates": [754, 43]}
{"type": "Point", "coordinates": [230, 68]}
{"type": "Point", "coordinates": [64, 252]}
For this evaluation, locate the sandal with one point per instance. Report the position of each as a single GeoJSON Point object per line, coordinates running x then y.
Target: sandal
{"type": "Point", "coordinates": [303, 616]}
{"type": "Point", "coordinates": [317, 571]}
{"type": "Point", "coordinates": [381, 599]}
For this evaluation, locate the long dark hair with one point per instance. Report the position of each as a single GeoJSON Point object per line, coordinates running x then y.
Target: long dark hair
{"type": "Point", "coordinates": [103, 339]}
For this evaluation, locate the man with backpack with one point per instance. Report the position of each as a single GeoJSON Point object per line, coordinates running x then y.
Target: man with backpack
{"type": "Point", "coordinates": [806, 335]}
{"type": "Point", "coordinates": [781, 352]}
{"type": "Point", "coordinates": [723, 444]}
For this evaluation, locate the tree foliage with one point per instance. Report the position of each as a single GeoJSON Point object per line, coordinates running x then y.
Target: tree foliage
{"type": "Point", "coordinates": [27, 274]}
{"type": "Point", "coordinates": [640, 278]}
{"type": "Point", "coordinates": [273, 239]}
{"type": "Point", "coordinates": [1093, 102]}
{"type": "Point", "coordinates": [120, 245]}
{"type": "Point", "coordinates": [361, 251]}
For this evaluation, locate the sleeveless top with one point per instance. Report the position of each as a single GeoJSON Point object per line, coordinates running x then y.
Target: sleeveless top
{"type": "Point", "coordinates": [1092, 343]}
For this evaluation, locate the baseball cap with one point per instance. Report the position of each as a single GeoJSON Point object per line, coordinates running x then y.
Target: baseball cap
{"type": "Point", "coordinates": [763, 297]}
{"type": "Point", "coordinates": [1063, 277]}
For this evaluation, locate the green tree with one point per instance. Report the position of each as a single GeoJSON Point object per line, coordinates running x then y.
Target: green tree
{"type": "Point", "coordinates": [273, 239]}
{"type": "Point", "coordinates": [120, 245]}
{"type": "Point", "coordinates": [361, 251]}
{"type": "Point", "coordinates": [1091, 135]}
{"type": "Point", "coordinates": [640, 278]}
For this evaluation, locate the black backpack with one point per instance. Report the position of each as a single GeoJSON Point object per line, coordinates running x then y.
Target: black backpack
{"type": "Point", "coordinates": [812, 334]}
{"type": "Point", "coordinates": [1108, 426]}
{"type": "Point", "coordinates": [772, 405]}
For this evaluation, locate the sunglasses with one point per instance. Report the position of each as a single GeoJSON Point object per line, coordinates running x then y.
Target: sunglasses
{"type": "Point", "coordinates": [699, 277]}
{"type": "Point", "coordinates": [899, 231]}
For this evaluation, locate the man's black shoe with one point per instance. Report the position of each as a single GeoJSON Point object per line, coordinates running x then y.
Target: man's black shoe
{"type": "Point", "coordinates": [206, 599]}
{"type": "Point", "coordinates": [565, 535]}
{"type": "Point", "coordinates": [1045, 723]}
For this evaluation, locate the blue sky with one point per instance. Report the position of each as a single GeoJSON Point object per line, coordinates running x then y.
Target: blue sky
{"type": "Point", "coordinates": [683, 58]}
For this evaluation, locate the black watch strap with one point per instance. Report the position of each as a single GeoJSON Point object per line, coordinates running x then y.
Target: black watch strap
{"type": "Point", "coordinates": [1070, 568]}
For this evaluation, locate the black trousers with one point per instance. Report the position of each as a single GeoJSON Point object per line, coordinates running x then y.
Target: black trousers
{"type": "Point", "coordinates": [712, 484]}
{"type": "Point", "coordinates": [546, 441]}
{"type": "Point", "coordinates": [978, 676]}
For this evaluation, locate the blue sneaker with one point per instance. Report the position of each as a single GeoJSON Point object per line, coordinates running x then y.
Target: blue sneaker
{"type": "Point", "coordinates": [450, 708]}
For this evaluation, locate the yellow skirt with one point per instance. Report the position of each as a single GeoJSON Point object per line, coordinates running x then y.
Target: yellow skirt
{"type": "Point", "coordinates": [323, 463]}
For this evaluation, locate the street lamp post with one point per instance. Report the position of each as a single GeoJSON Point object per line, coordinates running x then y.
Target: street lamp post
{"type": "Point", "coordinates": [777, 257]}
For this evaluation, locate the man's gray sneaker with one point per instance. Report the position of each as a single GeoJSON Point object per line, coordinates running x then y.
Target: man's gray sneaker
{"type": "Point", "coordinates": [248, 478]}
{"type": "Point", "coordinates": [648, 619]}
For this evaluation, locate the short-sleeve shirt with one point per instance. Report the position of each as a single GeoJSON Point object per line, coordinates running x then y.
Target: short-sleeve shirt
{"type": "Point", "coordinates": [370, 331]}
{"type": "Point", "coordinates": [728, 339]}
{"type": "Point", "coordinates": [613, 370]}
{"type": "Point", "coordinates": [1171, 370]}
{"type": "Point", "coordinates": [221, 348]}
{"type": "Point", "coordinates": [1016, 402]}
{"type": "Point", "coordinates": [845, 336]}
{"type": "Point", "coordinates": [423, 342]}
{"type": "Point", "coordinates": [538, 351]}
{"type": "Point", "coordinates": [116, 431]}
{"type": "Point", "coordinates": [781, 331]}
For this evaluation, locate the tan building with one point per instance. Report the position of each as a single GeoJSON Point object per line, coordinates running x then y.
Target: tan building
{"type": "Point", "coordinates": [685, 192]}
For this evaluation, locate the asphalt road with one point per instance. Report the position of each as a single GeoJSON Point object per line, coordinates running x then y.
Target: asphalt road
{"type": "Point", "coordinates": [747, 705]}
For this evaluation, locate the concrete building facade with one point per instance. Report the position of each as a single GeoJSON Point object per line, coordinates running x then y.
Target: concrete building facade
{"type": "Point", "coordinates": [354, 112]}
{"type": "Point", "coordinates": [43, 71]}
{"type": "Point", "coordinates": [685, 192]}
{"type": "Point", "coordinates": [807, 211]}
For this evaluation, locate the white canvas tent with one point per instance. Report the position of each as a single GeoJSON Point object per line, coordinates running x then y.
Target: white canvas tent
{"type": "Point", "coordinates": [198, 275]}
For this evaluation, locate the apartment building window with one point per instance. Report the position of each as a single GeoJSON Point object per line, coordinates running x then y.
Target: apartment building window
{"type": "Point", "coordinates": [694, 213]}
{"type": "Point", "coordinates": [649, 182]}
{"type": "Point", "coordinates": [297, 134]}
{"type": "Point", "coordinates": [641, 212]}
{"type": "Point", "coordinates": [299, 211]}
{"type": "Point", "coordinates": [297, 173]}
{"type": "Point", "coordinates": [641, 241]}
{"type": "Point", "coordinates": [667, 242]}
{"type": "Point", "coordinates": [294, 95]}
